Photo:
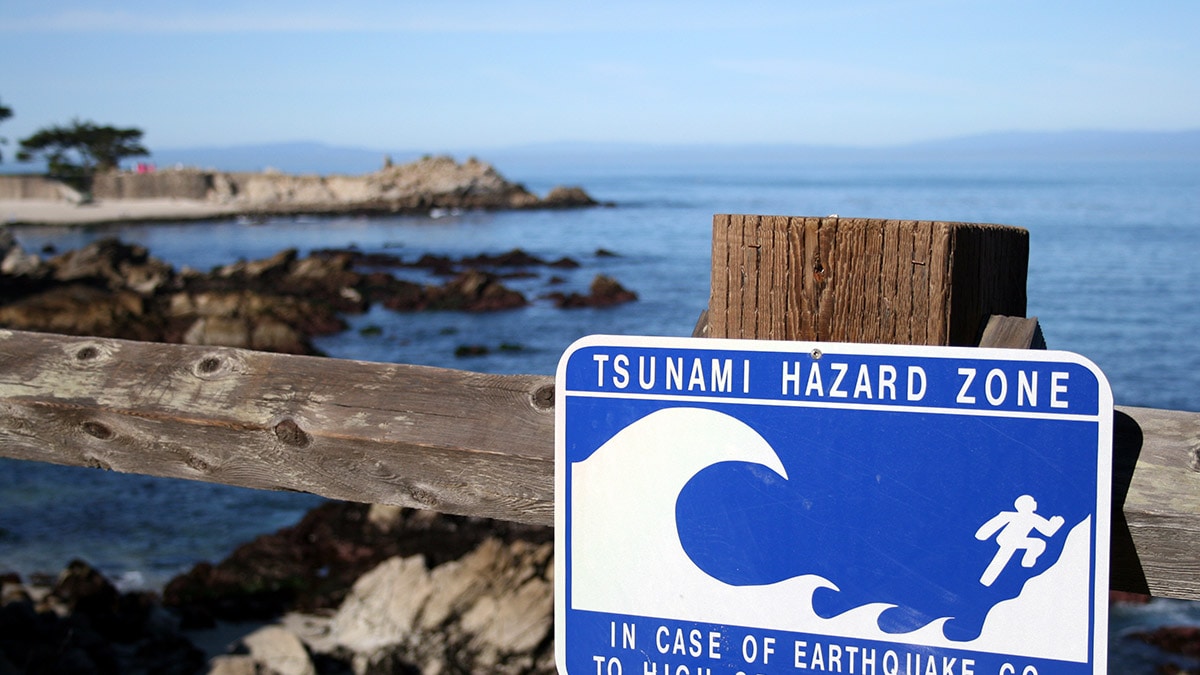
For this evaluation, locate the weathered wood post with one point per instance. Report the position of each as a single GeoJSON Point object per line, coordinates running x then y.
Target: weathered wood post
{"type": "Point", "coordinates": [863, 280]}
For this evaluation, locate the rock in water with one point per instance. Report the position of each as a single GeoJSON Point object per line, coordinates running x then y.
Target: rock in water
{"type": "Point", "coordinates": [603, 292]}
{"type": "Point", "coordinates": [82, 624]}
{"type": "Point", "coordinates": [492, 611]}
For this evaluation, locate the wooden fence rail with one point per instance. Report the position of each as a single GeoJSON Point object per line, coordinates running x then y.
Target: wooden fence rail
{"type": "Point", "coordinates": [447, 440]}
{"type": "Point", "coordinates": [483, 445]}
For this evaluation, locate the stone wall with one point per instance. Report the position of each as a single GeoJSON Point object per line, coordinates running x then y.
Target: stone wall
{"type": "Point", "coordinates": [34, 187]}
{"type": "Point", "coordinates": [183, 184]}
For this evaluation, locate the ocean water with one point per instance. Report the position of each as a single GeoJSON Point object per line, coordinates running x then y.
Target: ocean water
{"type": "Point", "coordinates": [1114, 275]}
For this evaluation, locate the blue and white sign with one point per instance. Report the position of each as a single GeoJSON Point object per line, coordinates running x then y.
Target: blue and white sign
{"type": "Point", "coordinates": [737, 506]}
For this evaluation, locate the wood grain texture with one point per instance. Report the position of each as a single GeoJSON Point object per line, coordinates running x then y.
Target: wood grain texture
{"type": "Point", "coordinates": [1156, 502]}
{"type": "Point", "coordinates": [452, 441]}
{"type": "Point", "coordinates": [1012, 332]}
{"type": "Point", "coordinates": [863, 280]}
{"type": "Point", "coordinates": [990, 264]}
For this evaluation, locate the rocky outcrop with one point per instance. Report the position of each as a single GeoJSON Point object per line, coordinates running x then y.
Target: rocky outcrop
{"type": "Point", "coordinates": [312, 565]}
{"type": "Point", "coordinates": [112, 289]}
{"type": "Point", "coordinates": [278, 304]}
{"type": "Point", "coordinates": [421, 186]}
{"type": "Point", "coordinates": [1182, 640]}
{"type": "Point", "coordinates": [352, 588]}
{"type": "Point", "coordinates": [270, 649]}
{"type": "Point", "coordinates": [81, 624]}
{"type": "Point", "coordinates": [603, 292]}
{"type": "Point", "coordinates": [379, 589]}
{"type": "Point", "coordinates": [490, 611]}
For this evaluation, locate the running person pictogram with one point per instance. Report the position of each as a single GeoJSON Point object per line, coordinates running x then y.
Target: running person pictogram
{"type": "Point", "coordinates": [1012, 530]}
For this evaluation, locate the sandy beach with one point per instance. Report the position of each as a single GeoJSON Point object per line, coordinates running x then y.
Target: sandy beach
{"type": "Point", "coordinates": [58, 212]}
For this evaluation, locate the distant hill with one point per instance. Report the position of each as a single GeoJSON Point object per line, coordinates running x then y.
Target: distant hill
{"type": "Point", "coordinates": [307, 157]}
{"type": "Point", "coordinates": [312, 157]}
{"type": "Point", "coordinates": [582, 159]}
{"type": "Point", "coordinates": [1034, 146]}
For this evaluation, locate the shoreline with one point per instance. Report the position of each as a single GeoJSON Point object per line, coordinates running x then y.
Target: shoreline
{"type": "Point", "coordinates": [16, 213]}
{"type": "Point", "coordinates": [46, 212]}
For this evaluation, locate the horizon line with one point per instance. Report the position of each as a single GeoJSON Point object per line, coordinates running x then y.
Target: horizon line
{"type": "Point", "coordinates": [708, 144]}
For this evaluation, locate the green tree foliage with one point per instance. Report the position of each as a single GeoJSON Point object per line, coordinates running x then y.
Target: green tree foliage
{"type": "Point", "coordinates": [5, 113]}
{"type": "Point", "coordinates": [80, 150]}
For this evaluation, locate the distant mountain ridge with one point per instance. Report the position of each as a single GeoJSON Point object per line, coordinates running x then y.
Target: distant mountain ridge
{"type": "Point", "coordinates": [1050, 145]}
{"type": "Point", "coordinates": [308, 157]}
{"type": "Point", "coordinates": [1069, 145]}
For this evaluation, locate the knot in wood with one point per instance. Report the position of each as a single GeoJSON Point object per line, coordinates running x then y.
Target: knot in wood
{"type": "Point", "coordinates": [197, 463]}
{"type": "Point", "coordinates": [208, 365]}
{"type": "Point", "coordinates": [290, 433]}
{"type": "Point", "coordinates": [423, 498]}
{"type": "Point", "coordinates": [98, 430]}
{"type": "Point", "coordinates": [87, 353]}
{"type": "Point", "coordinates": [543, 397]}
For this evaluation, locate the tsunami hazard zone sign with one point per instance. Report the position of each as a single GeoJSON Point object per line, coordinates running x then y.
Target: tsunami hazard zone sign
{"type": "Point", "coordinates": [737, 506]}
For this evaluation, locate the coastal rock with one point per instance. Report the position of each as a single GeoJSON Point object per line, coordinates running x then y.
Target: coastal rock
{"type": "Point", "coordinates": [603, 292]}
{"type": "Point", "coordinates": [14, 261]}
{"type": "Point", "coordinates": [475, 291]}
{"type": "Point", "coordinates": [236, 664]}
{"type": "Point", "coordinates": [276, 265]}
{"type": "Point", "coordinates": [386, 590]}
{"type": "Point", "coordinates": [115, 264]}
{"type": "Point", "coordinates": [312, 565]}
{"type": "Point", "coordinates": [568, 196]}
{"type": "Point", "coordinates": [433, 185]}
{"type": "Point", "coordinates": [383, 607]}
{"type": "Point", "coordinates": [262, 334]}
{"type": "Point", "coordinates": [442, 182]}
{"type": "Point", "coordinates": [278, 651]}
{"type": "Point", "coordinates": [491, 611]}
{"type": "Point", "coordinates": [383, 589]}
{"type": "Point", "coordinates": [432, 182]}
{"type": "Point", "coordinates": [465, 351]}
{"type": "Point", "coordinates": [279, 303]}
{"type": "Point", "coordinates": [277, 321]}
{"type": "Point", "coordinates": [446, 266]}
{"type": "Point", "coordinates": [80, 588]}
{"type": "Point", "coordinates": [17, 262]}
{"type": "Point", "coordinates": [79, 309]}
{"type": "Point", "coordinates": [1182, 640]}
{"type": "Point", "coordinates": [83, 625]}
{"type": "Point", "coordinates": [1128, 598]}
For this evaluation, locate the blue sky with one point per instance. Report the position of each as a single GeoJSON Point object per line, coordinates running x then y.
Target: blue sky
{"type": "Point", "coordinates": [468, 74]}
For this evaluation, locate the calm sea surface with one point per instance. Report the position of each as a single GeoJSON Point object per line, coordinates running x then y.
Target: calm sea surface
{"type": "Point", "coordinates": [1114, 275]}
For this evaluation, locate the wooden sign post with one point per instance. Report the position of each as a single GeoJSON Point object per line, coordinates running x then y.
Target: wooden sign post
{"type": "Point", "coordinates": [863, 280]}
